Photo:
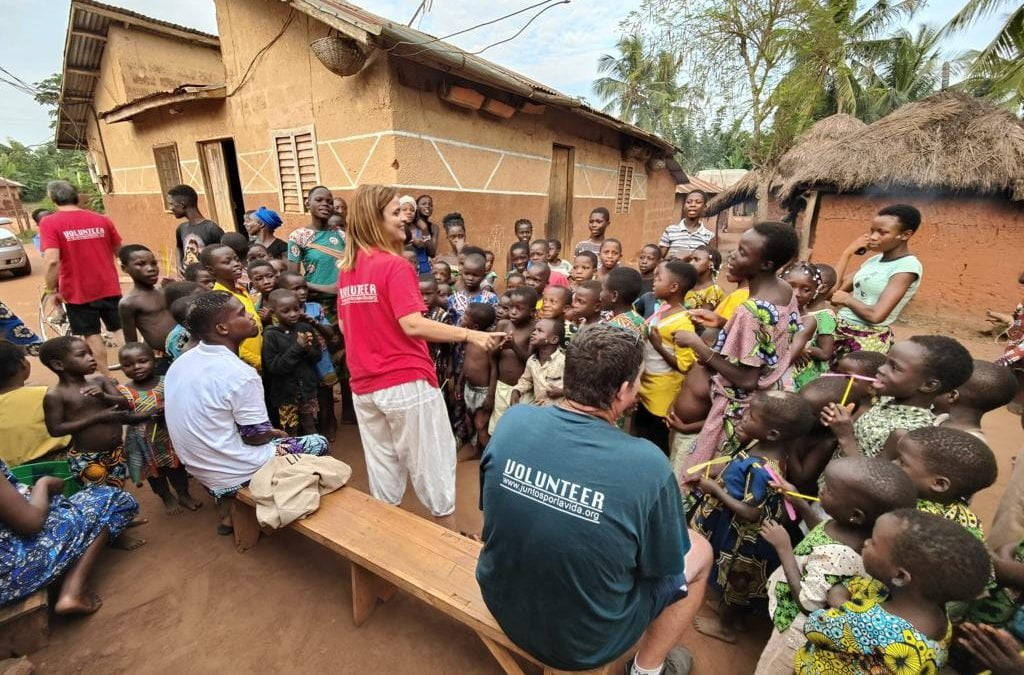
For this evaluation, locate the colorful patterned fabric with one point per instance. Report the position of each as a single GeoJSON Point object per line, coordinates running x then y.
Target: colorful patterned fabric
{"type": "Point", "coordinates": [629, 320]}
{"type": "Point", "coordinates": [460, 300]}
{"type": "Point", "coordinates": [1014, 351]}
{"type": "Point", "coordinates": [314, 444]}
{"type": "Point", "coordinates": [856, 337]}
{"type": "Point", "coordinates": [306, 246]}
{"type": "Point", "coordinates": [758, 335]}
{"type": "Point", "coordinates": [176, 341]}
{"type": "Point", "coordinates": [15, 331]}
{"type": "Point", "coordinates": [823, 562]}
{"type": "Point", "coordinates": [31, 562]}
{"type": "Point", "coordinates": [862, 638]}
{"type": "Point", "coordinates": [743, 559]}
{"type": "Point", "coordinates": [872, 429]}
{"type": "Point", "coordinates": [712, 295]}
{"type": "Point", "coordinates": [98, 468]}
{"type": "Point", "coordinates": [995, 607]}
{"type": "Point", "coordinates": [826, 321]}
{"type": "Point", "coordinates": [147, 444]}
{"type": "Point", "coordinates": [288, 414]}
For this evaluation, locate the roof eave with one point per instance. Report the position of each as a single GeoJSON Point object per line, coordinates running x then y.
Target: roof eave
{"type": "Point", "coordinates": [183, 94]}
{"type": "Point", "coordinates": [444, 57]}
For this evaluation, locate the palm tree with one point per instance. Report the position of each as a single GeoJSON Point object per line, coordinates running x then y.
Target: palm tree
{"type": "Point", "coordinates": [637, 86]}
{"type": "Point", "coordinates": [997, 70]}
{"type": "Point", "coordinates": [909, 72]}
{"type": "Point", "coordinates": [833, 52]}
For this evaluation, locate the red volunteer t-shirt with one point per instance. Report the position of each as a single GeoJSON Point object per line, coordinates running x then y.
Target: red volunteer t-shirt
{"type": "Point", "coordinates": [371, 298]}
{"type": "Point", "coordinates": [87, 242]}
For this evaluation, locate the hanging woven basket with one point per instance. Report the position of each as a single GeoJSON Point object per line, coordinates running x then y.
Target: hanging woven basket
{"type": "Point", "coordinates": [340, 55]}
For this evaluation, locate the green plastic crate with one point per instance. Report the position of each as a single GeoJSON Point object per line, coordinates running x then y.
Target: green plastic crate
{"type": "Point", "coordinates": [30, 473]}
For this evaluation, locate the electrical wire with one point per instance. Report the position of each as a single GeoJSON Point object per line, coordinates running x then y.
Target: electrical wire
{"type": "Point", "coordinates": [466, 30]}
{"type": "Point", "coordinates": [493, 44]}
{"type": "Point", "coordinates": [245, 76]}
{"type": "Point", "coordinates": [23, 83]}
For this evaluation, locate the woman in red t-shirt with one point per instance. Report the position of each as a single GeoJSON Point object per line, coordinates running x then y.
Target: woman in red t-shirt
{"type": "Point", "coordinates": [403, 422]}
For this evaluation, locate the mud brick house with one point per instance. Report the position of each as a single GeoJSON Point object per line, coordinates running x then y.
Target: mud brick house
{"type": "Point", "coordinates": [958, 159]}
{"type": "Point", "coordinates": [253, 117]}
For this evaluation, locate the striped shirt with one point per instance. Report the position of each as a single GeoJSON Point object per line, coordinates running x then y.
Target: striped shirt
{"type": "Point", "coordinates": [680, 240]}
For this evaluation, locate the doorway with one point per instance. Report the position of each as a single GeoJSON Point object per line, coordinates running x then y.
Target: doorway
{"type": "Point", "coordinates": [223, 186]}
{"type": "Point", "coordinates": [559, 225]}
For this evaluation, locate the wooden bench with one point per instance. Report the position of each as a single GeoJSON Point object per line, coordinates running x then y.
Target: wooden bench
{"type": "Point", "coordinates": [25, 626]}
{"type": "Point", "coordinates": [392, 549]}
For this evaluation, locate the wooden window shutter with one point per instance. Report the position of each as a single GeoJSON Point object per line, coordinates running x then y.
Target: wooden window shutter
{"type": "Point", "coordinates": [297, 167]}
{"type": "Point", "coordinates": [168, 170]}
{"type": "Point", "coordinates": [624, 192]}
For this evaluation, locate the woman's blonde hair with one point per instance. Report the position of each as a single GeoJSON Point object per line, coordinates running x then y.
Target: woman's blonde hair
{"type": "Point", "coordinates": [365, 223]}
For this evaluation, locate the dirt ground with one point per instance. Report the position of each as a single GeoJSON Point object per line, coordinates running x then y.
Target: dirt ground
{"type": "Point", "coordinates": [186, 601]}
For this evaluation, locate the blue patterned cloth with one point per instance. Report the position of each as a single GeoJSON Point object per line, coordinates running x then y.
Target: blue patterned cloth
{"type": "Point", "coordinates": [28, 563]}
{"type": "Point", "coordinates": [14, 330]}
{"type": "Point", "coordinates": [314, 444]}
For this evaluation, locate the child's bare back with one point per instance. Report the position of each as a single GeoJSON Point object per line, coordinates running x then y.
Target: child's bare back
{"type": "Point", "coordinates": [514, 353]}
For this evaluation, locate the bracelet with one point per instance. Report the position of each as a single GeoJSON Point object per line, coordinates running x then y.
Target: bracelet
{"type": "Point", "coordinates": [706, 361]}
{"type": "Point", "coordinates": [465, 338]}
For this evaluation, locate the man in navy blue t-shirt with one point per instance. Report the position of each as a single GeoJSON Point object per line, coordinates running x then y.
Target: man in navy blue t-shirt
{"type": "Point", "coordinates": [584, 532]}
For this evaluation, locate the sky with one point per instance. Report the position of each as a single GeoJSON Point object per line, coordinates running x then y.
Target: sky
{"type": "Point", "coordinates": [560, 48]}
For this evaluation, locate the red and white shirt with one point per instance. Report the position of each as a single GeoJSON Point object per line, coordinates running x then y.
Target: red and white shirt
{"type": "Point", "coordinates": [87, 242]}
{"type": "Point", "coordinates": [372, 297]}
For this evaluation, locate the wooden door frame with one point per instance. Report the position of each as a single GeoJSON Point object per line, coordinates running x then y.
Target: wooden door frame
{"type": "Point", "coordinates": [210, 200]}
{"type": "Point", "coordinates": [565, 236]}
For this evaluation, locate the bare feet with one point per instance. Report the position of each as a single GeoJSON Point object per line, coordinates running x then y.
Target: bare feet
{"type": "Point", "coordinates": [126, 542]}
{"type": "Point", "coordinates": [189, 502]}
{"type": "Point", "coordinates": [86, 603]}
{"type": "Point", "coordinates": [171, 505]}
{"type": "Point", "coordinates": [712, 626]}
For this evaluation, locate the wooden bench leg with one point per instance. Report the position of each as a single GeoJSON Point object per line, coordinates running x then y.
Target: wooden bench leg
{"type": "Point", "coordinates": [502, 656]}
{"type": "Point", "coordinates": [25, 626]}
{"type": "Point", "coordinates": [247, 528]}
{"type": "Point", "coordinates": [367, 589]}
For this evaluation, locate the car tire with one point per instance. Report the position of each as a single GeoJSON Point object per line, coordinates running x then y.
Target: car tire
{"type": "Point", "coordinates": [25, 270]}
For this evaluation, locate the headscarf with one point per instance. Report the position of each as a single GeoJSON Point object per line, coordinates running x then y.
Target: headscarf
{"type": "Point", "coordinates": [406, 199]}
{"type": "Point", "coordinates": [269, 218]}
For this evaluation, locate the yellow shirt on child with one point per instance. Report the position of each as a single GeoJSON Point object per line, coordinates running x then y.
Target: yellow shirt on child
{"type": "Point", "coordinates": [660, 382]}
{"type": "Point", "coordinates": [732, 301]}
{"type": "Point", "coordinates": [23, 428]}
{"type": "Point", "coordinates": [251, 350]}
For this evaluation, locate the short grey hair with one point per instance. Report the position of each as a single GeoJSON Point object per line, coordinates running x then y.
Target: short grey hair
{"type": "Point", "coordinates": [62, 193]}
{"type": "Point", "coordinates": [599, 359]}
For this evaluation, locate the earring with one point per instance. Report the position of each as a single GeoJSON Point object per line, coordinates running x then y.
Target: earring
{"type": "Point", "coordinates": [896, 582]}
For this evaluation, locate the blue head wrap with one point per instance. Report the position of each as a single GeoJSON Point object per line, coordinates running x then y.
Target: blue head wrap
{"type": "Point", "coordinates": [269, 218]}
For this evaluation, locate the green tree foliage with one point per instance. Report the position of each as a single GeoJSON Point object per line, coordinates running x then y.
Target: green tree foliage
{"type": "Point", "coordinates": [997, 70]}
{"type": "Point", "coordinates": [35, 166]}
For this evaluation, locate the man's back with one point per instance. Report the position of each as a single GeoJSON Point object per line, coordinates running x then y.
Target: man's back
{"type": "Point", "coordinates": [580, 523]}
{"type": "Point", "coordinates": [210, 392]}
{"type": "Point", "coordinates": [87, 242]}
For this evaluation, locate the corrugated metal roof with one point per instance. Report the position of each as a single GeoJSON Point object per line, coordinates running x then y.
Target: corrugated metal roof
{"type": "Point", "coordinates": [405, 42]}
{"type": "Point", "coordinates": [88, 23]}
{"type": "Point", "coordinates": [695, 183]}
{"type": "Point", "coordinates": [4, 182]}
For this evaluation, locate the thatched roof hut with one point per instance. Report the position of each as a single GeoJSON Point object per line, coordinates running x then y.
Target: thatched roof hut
{"type": "Point", "coordinates": [947, 143]}
{"type": "Point", "coordinates": [809, 145]}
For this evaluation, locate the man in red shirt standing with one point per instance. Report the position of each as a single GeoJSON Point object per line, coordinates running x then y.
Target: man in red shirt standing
{"type": "Point", "coordinates": [78, 249]}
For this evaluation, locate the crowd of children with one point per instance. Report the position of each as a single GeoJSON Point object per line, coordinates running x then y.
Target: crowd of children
{"type": "Point", "coordinates": [802, 469]}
